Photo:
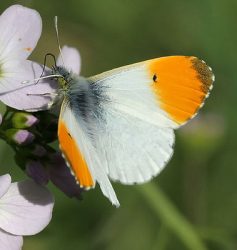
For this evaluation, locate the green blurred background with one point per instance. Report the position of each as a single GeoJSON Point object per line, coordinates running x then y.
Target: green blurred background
{"type": "Point", "coordinates": [192, 204]}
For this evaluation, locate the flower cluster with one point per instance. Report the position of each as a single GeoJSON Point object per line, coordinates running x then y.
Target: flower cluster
{"type": "Point", "coordinates": [29, 134]}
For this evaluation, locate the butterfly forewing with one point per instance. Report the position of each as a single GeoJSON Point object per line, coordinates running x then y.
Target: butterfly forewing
{"type": "Point", "coordinates": [145, 102]}
{"type": "Point", "coordinates": [166, 91]}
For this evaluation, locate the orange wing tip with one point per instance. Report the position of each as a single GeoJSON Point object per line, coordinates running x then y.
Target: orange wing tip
{"type": "Point", "coordinates": [204, 73]}
{"type": "Point", "coordinates": [181, 84]}
{"type": "Point", "coordinates": [74, 175]}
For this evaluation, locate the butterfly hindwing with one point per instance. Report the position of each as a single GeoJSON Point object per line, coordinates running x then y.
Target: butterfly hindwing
{"type": "Point", "coordinates": [133, 151]}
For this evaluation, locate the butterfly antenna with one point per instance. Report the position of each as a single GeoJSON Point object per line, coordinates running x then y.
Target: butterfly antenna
{"type": "Point", "coordinates": [57, 35]}
{"type": "Point", "coordinates": [44, 65]}
{"type": "Point", "coordinates": [41, 78]}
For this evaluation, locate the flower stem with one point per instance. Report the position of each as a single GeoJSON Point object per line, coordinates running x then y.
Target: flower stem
{"type": "Point", "coordinates": [162, 238]}
{"type": "Point", "coordinates": [170, 216]}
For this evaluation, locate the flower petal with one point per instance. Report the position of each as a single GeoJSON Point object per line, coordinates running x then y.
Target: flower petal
{"type": "Point", "coordinates": [26, 208]}
{"type": "Point", "coordinates": [5, 182]}
{"type": "Point", "coordinates": [9, 241]}
{"type": "Point", "coordinates": [71, 59]}
{"type": "Point", "coordinates": [20, 29]}
{"type": "Point", "coordinates": [27, 96]}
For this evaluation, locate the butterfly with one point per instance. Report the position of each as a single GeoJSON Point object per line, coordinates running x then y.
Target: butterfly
{"type": "Point", "coordinates": [119, 125]}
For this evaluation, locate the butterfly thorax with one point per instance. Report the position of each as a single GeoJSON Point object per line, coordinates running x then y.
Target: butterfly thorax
{"type": "Point", "coordinates": [77, 92]}
{"type": "Point", "coordinates": [69, 81]}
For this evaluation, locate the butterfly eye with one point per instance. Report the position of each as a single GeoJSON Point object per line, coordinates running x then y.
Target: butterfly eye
{"type": "Point", "coordinates": [155, 78]}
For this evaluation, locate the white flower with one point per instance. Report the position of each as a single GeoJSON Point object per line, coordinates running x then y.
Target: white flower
{"type": "Point", "coordinates": [20, 29]}
{"type": "Point", "coordinates": [70, 59]}
{"type": "Point", "coordinates": [25, 209]}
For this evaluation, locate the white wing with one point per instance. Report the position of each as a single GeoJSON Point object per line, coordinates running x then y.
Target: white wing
{"type": "Point", "coordinates": [133, 151]}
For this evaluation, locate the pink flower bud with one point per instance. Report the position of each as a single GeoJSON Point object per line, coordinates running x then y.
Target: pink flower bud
{"type": "Point", "coordinates": [31, 120]}
{"type": "Point", "coordinates": [21, 136]}
{"type": "Point", "coordinates": [23, 120]}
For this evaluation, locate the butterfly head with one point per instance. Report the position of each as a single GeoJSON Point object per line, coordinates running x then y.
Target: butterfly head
{"type": "Point", "coordinates": [65, 76]}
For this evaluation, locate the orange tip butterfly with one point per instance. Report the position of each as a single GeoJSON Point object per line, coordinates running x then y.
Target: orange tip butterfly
{"type": "Point", "coordinates": [119, 125]}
